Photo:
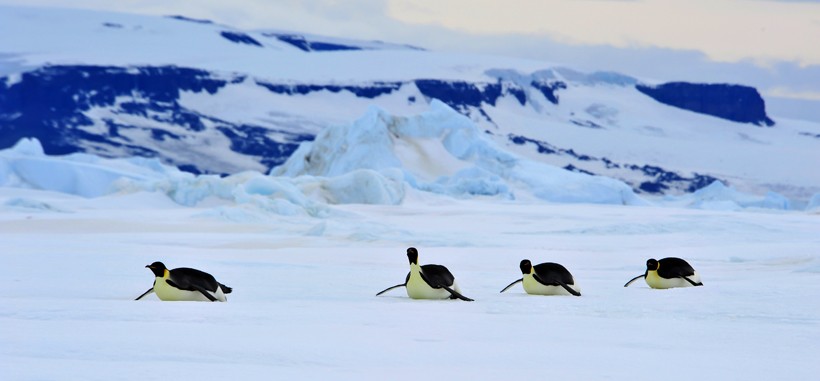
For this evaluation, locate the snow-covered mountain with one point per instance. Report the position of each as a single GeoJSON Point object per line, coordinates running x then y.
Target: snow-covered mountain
{"type": "Point", "coordinates": [210, 98]}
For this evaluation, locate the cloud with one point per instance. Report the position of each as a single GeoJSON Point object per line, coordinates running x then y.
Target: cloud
{"type": "Point", "coordinates": [785, 92]}
{"type": "Point", "coordinates": [724, 30]}
{"type": "Point", "coordinates": [763, 31]}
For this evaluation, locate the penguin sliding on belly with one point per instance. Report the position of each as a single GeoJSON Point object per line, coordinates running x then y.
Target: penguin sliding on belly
{"type": "Point", "coordinates": [546, 279]}
{"type": "Point", "coordinates": [184, 284]}
{"type": "Point", "coordinates": [428, 281]}
{"type": "Point", "coordinates": [668, 273]}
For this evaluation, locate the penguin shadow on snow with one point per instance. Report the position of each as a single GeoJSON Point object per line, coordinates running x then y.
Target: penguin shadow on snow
{"type": "Point", "coordinates": [668, 273]}
{"type": "Point", "coordinates": [428, 281]}
{"type": "Point", "coordinates": [185, 284]}
{"type": "Point", "coordinates": [546, 279]}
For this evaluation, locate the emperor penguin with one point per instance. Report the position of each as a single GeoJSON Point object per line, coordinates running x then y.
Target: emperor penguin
{"type": "Point", "coordinates": [184, 284]}
{"type": "Point", "coordinates": [428, 281]}
{"type": "Point", "coordinates": [668, 273]}
{"type": "Point", "coordinates": [546, 279]}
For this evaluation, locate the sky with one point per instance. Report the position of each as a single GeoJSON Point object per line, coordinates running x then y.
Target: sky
{"type": "Point", "coordinates": [769, 44]}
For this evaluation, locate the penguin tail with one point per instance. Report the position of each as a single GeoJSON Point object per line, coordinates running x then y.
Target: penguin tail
{"type": "Point", "coordinates": [225, 289]}
{"type": "Point", "coordinates": [692, 282]}
{"type": "Point", "coordinates": [456, 295]}
{"type": "Point", "coordinates": [569, 289]}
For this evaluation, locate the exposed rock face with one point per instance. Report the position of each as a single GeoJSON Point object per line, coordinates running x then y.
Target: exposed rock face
{"type": "Point", "coordinates": [733, 102]}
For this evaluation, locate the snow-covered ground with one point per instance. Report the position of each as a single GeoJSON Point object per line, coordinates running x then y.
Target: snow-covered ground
{"type": "Point", "coordinates": [305, 272]}
{"type": "Point", "coordinates": [303, 305]}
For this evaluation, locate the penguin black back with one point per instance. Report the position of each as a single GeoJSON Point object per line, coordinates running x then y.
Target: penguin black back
{"type": "Point", "coordinates": [670, 267]}
{"type": "Point", "coordinates": [436, 276]}
{"type": "Point", "coordinates": [552, 274]}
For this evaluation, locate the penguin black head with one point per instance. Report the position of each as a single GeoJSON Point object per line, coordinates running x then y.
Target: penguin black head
{"type": "Point", "coordinates": [526, 266]}
{"type": "Point", "coordinates": [652, 265]}
{"type": "Point", "coordinates": [413, 255]}
{"type": "Point", "coordinates": [158, 268]}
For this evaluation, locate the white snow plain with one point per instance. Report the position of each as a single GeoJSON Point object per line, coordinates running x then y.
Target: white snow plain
{"type": "Point", "coordinates": [307, 254]}
{"type": "Point", "coordinates": [303, 305]}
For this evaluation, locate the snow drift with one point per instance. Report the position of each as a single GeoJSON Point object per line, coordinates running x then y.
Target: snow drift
{"type": "Point", "coordinates": [377, 159]}
{"type": "Point", "coordinates": [369, 161]}
{"type": "Point", "coordinates": [442, 151]}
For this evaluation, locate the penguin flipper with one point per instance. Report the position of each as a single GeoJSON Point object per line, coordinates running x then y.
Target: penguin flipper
{"type": "Point", "coordinates": [390, 288]}
{"type": "Point", "coordinates": [692, 282]}
{"type": "Point", "coordinates": [150, 290]}
{"type": "Point", "coordinates": [569, 289]}
{"type": "Point", "coordinates": [190, 286]}
{"type": "Point", "coordinates": [634, 279]}
{"type": "Point", "coordinates": [510, 285]}
{"type": "Point", "coordinates": [456, 295]}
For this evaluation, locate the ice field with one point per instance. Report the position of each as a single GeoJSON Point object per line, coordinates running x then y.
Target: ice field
{"type": "Point", "coordinates": [303, 305]}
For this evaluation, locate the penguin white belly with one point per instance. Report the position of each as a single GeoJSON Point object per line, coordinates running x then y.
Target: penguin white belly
{"type": "Point", "coordinates": [168, 293]}
{"type": "Point", "coordinates": [533, 287]}
{"type": "Point", "coordinates": [417, 288]}
{"type": "Point", "coordinates": [656, 281]}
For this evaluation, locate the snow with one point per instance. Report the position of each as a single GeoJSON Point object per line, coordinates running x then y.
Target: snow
{"type": "Point", "coordinates": [306, 253]}
{"type": "Point", "coordinates": [634, 130]}
{"type": "Point", "coordinates": [371, 160]}
{"type": "Point", "coordinates": [718, 196]}
{"type": "Point", "coordinates": [303, 304]}
{"type": "Point", "coordinates": [148, 40]}
{"type": "Point", "coordinates": [376, 159]}
{"type": "Point", "coordinates": [26, 165]}
{"type": "Point", "coordinates": [442, 151]}
{"type": "Point", "coordinates": [814, 203]}
{"type": "Point", "coordinates": [307, 247]}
